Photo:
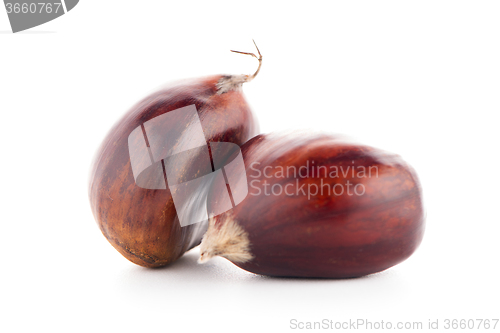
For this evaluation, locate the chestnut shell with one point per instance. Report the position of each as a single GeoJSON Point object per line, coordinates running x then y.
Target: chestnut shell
{"type": "Point", "coordinates": [326, 236]}
{"type": "Point", "coordinates": [142, 224]}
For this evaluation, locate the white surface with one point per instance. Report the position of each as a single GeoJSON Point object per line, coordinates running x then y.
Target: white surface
{"type": "Point", "coordinates": [419, 78]}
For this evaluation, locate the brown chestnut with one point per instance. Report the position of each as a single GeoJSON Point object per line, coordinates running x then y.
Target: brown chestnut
{"type": "Point", "coordinates": [318, 206]}
{"type": "Point", "coordinates": [168, 133]}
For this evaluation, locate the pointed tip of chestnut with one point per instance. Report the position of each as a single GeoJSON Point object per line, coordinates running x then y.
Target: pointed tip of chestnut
{"type": "Point", "coordinates": [227, 239]}
{"type": "Point", "coordinates": [204, 257]}
{"type": "Point", "coordinates": [234, 82]}
{"type": "Point", "coordinates": [231, 82]}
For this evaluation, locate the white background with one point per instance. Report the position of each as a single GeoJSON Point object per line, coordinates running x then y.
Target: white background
{"type": "Point", "coordinates": [419, 78]}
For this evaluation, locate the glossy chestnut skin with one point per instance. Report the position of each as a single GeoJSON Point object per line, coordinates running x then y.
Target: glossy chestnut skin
{"type": "Point", "coordinates": [142, 224]}
{"type": "Point", "coordinates": [326, 236]}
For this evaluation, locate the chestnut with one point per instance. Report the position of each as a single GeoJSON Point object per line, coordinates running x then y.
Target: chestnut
{"type": "Point", "coordinates": [170, 132]}
{"type": "Point", "coordinates": [318, 206]}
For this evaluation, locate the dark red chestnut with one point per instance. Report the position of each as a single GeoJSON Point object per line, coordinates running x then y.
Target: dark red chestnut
{"type": "Point", "coordinates": [318, 206]}
{"type": "Point", "coordinates": [138, 190]}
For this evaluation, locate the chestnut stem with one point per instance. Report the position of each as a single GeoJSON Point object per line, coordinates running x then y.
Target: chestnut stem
{"type": "Point", "coordinates": [259, 58]}
{"type": "Point", "coordinates": [234, 82]}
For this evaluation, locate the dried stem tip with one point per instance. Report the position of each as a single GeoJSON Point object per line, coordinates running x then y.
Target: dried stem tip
{"type": "Point", "coordinates": [234, 82]}
{"type": "Point", "coordinates": [228, 240]}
